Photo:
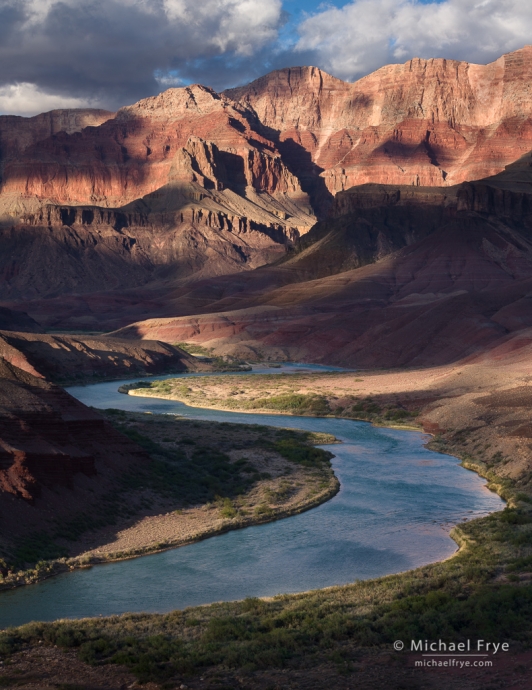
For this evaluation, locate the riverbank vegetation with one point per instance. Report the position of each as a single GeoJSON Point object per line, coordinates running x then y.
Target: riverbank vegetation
{"type": "Point", "coordinates": [226, 363]}
{"type": "Point", "coordinates": [481, 593]}
{"type": "Point", "coordinates": [343, 637]}
{"type": "Point", "coordinates": [295, 394]}
{"type": "Point", "coordinates": [200, 479]}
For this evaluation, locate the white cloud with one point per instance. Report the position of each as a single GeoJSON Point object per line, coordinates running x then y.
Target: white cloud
{"type": "Point", "coordinates": [27, 99]}
{"type": "Point", "coordinates": [366, 34]}
{"type": "Point", "coordinates": [247, 25]}
{"type": "Point", "coordinates": [113, 52]}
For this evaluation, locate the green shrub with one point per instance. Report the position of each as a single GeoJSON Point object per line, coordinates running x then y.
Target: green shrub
{"type": "Point", "coordinates": [302, 454]}
{"type": "Point", "coordinates": [37, 547]}
{"type": "Point", "coordinates": [227, 509]}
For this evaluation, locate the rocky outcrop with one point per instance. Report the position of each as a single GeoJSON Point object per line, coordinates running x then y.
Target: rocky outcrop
{"type": "Point", "coordinates": [17, 321]}
{"type": "Point", "coordinates": [47, 437]}
{"type": "Point", "coordinates": [179, 233]}
{"type": "Point", "coordinates": [205, 208]}
{"type": "Point", "coordinates": [426, 122]}
{"type": "Point", "coordinates": [182, 135]}
{"type": "Point", "coordinates": [156, 211]}
{"type": "Point", "coordinates": [19, 133]}
{"type": "Point", "coordinates": [397, 276]}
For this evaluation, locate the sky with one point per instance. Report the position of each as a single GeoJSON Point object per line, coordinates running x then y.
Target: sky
{"type": "Point", "coordinates": [109, 53]}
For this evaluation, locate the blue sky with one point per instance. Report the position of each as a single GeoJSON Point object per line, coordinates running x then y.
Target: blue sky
{"type": "Point", "coordinates": [108, 53]}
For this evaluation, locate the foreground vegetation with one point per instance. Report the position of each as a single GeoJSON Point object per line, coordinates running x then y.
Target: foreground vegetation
{"type": "Point", "coordinates": [483, 592]}
{"type": "Point", "coordinates": [480, 593]}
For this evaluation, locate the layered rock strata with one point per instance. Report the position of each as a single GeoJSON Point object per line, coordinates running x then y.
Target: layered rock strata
{"type": "Point", "coordinates": [62, 358]}
{"type": "Point", "coordinates": [160, 209]}
{"type": "Point", "coordinates": [425, 122]}
{"type": "Point", "coordinates": [47, 438]}
{"type": "Point", "coordinates": [398, 276]}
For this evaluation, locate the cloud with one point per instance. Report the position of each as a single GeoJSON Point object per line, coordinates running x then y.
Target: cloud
{"type": "Point", "coordinates": [112, 52]}
{"type": "Point", "coordinates": [108, 53]}
{"type": "Point", "coordinates": [366, 34]}
{"type": "Point", "coordinates": [27, 99]}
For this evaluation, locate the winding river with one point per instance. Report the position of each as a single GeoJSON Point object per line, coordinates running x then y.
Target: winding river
{"type": "Point", "coordinates": [397, 504]}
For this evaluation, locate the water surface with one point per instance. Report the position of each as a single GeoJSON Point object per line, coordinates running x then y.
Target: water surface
{"type": "Point", "coordinates": [397, 504]}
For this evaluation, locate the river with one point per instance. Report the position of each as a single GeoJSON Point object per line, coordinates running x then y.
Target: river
{"type": "Point", "coordinates": [397, 504]}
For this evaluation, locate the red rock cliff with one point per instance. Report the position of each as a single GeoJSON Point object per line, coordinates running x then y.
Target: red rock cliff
{"type": "Point", "coordinates": [47, 437]}
{"type": "Point", "coordinates": [427, 122]}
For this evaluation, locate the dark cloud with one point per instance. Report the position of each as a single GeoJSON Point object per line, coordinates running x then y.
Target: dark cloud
{"type": "Point", "coordinates": [363, 35]}
{"type": "Point", "coordinates": [108, 52]}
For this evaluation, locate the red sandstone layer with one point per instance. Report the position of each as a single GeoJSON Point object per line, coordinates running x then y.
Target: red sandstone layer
{"type": "Point", "coordinates": [426, 122]}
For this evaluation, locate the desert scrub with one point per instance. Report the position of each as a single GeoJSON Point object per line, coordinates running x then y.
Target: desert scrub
{"type": "Point", "coordinates": [478, 594]}
{"type": "Point", "coordinates": [300, 454]}
{"type": "Point", "coordinates": [194, 349]}
{"type": "Point", "coordinates": [281, 493]}
{"type": "Point", "coordinates": [369, 411]}
{"type": "Point", "coordinates": [254, 393]}
{"type": "Point", "coordinates": [227, 508]}
{"type": "Point", "coordinates": [207, 473]}
{"type": "Point", "coordinates": [293, 403]}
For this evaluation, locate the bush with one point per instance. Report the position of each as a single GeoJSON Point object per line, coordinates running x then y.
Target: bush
{"type": "Point", "coordinates": [227, 509]}
{"type": "Point", "coordinates": [302, 454]}
{"type": "Point", "coordinates": [293, 402]}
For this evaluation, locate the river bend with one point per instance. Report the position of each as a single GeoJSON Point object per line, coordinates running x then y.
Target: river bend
{"type": "Point", "coordinates": [397, 504]}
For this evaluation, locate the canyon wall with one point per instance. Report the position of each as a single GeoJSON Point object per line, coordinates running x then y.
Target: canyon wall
{"type": "Point", "coordinates": [82, 359]}
{"type": "Point", "coordinates": [425, 122]}
{"type": "Point", "coordinates": [19, 133]}
{"type": "Point", "coordinates": [397, 276]}
{"type": "Point", "coordinates": [159, 140]}
{"type": "Point", "coordinates": [127, 218]}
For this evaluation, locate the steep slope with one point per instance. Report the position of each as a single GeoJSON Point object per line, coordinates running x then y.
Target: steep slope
{"type": "Point", "coordinates": [61, 358]}
{"type": "Point", "coordinates": [178, 233]}
{"type": "Point", "coordinates": [148, 145]}
{"type": "Point", "coordinates": [175, 185]}
{"type": "Point", "coordinates": [17, 321]}
{"type": "Point", "coordinates": [59, 462]}
{"type": "Point", "coordinates": [19, 133]}
{"type": "Point", "coordinates": [399, 276]}
{"type": "Point", "coordinates": [425, 122]}
{"type": "Point", "coordinates": [130, 218]}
